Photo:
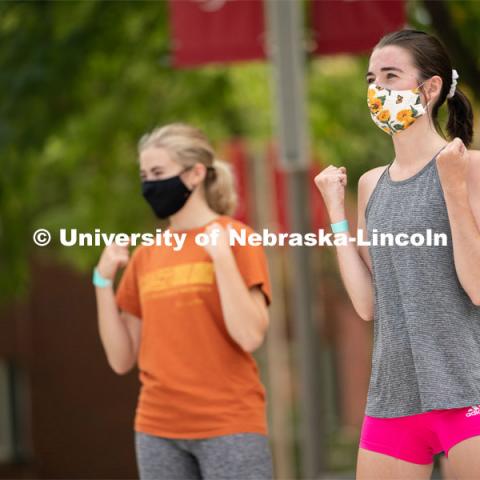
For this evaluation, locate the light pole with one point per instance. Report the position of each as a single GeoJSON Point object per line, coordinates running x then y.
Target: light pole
{"type": "Point", "coordinates": [287, 55]}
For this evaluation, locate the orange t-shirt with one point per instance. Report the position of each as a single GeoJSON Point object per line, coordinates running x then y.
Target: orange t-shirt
{"type": "Point", "coordinates": [197, 382]}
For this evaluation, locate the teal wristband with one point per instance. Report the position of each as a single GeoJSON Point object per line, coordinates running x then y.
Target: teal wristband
{"type": "Point", "coordinates": [99, 281]}
{"type": "Point", "coordinates": [340, 227]}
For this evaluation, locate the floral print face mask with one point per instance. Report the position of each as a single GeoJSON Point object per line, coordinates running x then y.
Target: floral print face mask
{"type": "Point", "coordinates": [394, 110]}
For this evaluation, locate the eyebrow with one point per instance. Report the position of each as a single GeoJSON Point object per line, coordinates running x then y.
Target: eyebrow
{"type": "Point", "coordinates": [156, 167]}
{"type": "Point", "coordinates": [383, 69]}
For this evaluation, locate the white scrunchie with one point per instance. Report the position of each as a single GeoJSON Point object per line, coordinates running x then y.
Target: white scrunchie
{"type": "Point", "coordinates": [451, 93]}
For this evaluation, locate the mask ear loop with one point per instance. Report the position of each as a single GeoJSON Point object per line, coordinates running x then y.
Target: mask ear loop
{"type": "Point", "coordinates": [427, 107]}
{"type": "Point", "coordinates": [427, 104]}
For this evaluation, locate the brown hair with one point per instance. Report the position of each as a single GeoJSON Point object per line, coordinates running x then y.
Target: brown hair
{"type": "Point", "coordinates": [430, 57]}
{"type": "Point", "coordinates": [189, 145]}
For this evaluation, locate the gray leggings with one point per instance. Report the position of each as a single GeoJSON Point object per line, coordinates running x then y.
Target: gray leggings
{"type": "Point", "coordinates": [239, 456]}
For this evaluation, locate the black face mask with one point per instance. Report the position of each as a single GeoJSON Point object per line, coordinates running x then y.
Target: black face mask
{"type": "Point", "coordinates": [166, 196]}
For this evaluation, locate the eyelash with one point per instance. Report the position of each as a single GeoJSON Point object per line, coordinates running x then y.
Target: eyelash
{"type": "Point", "coordinates": [369, 80]}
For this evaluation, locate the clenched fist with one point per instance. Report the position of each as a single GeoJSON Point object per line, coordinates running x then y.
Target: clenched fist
{"type": "Point", "coordinates": [113, 257]}
{"type": "Point", "coordinates": [220, 245]}
{"type": "Point", "coordinates": [331, 183]}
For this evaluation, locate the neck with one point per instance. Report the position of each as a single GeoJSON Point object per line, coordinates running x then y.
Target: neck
{"type": "Point", "coordinates": [417, 144]}
{"type": "Point", "coordinates": [195, 213]}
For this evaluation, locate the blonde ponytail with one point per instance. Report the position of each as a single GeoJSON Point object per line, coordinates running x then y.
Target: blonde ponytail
{"type": "Point", "coordinates": [189, 145]}
{"type": "Point", "coordinates": [220, 188]}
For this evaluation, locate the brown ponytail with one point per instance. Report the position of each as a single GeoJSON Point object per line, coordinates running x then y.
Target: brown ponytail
{"type": "Point", "coordinates": [220, 188]}
{"type": "Point", "coordinates": [460, 117]}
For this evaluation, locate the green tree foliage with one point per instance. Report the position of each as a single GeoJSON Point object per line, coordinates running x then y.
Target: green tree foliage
{"type": "Point", "coordinates": [80, 82]}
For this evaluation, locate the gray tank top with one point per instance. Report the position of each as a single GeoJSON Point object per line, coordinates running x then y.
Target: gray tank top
{"type": "Point", "coordinates": [426, 340]}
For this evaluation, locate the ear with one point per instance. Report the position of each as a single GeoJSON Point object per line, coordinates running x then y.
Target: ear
{"type": "Point", "coordinates": [198, 173]}
{"type": "Point", "coordinates": [434, 87]}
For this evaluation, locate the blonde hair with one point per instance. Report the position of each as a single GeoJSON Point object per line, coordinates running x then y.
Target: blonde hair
{"type": "Point", "coordinates": [189, 145]}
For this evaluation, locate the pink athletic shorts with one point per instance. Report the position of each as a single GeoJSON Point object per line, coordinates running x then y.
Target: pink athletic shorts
{"type": "Point", "coordinates": [417, 438]}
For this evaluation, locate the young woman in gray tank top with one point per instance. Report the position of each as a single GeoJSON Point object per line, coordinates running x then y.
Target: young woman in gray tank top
{"type": "Point", "coordinates": [423, 297]}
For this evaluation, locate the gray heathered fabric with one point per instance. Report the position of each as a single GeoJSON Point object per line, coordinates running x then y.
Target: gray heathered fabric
{"type": "Point", "coordinates": [426, 352]}
{"type": "Point", "coordinates": [237, 456]}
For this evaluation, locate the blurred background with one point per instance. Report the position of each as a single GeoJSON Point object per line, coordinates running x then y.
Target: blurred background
{"type": "Point", "coordinates": [80, 82]}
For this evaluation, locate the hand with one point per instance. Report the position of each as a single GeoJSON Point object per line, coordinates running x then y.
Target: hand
{"type": "Point", "coordinates": [222, 240]}
{"type": "Point", "coordinates": [113, 257]}
{"type": "Point", "coordinates": [331, 183]}
{"type": "Point", "coordinates": [452, 163]}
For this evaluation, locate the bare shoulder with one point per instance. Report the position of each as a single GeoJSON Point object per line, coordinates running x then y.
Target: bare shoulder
{"type": "Point", "coordinates": [474, 163]}
{"type": "Point", "coordinates": [366, 185]}
{"type": "Point", "coordinates": [368, 181]}
{"type": "Point", "coordinates": [473, 174]}
{"type": "Point", "coordinates": [473, 183]}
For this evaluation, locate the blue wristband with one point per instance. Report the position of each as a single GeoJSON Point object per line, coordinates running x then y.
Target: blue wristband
{"type": "Point", "coordinates": [99, 281]}
{"type": "Point", "coordinates": [340, 227]}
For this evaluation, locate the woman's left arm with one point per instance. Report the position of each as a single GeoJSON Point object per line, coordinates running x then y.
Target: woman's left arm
{"type": "Point", "coordinates": [244, 309]}
{"type": "Point", "coordinates": [459, 171]}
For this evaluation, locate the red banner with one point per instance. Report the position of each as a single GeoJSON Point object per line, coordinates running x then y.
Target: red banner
{"type": "Point", "coordinates": [354, 26]}
{"type": "Point", "coordinates": [236, 153]}
{"type": "Point", "coordinates": [205, 31]}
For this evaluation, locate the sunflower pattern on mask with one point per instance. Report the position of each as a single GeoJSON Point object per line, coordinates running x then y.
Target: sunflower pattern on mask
{"type": "Point", "coordinates": [394, 110]}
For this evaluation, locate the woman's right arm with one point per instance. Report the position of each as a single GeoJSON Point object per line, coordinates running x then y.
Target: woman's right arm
{"type": "Point", "coordinates": [353, 260]}
{"type": "Point", "coordinates": [119, 331]}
